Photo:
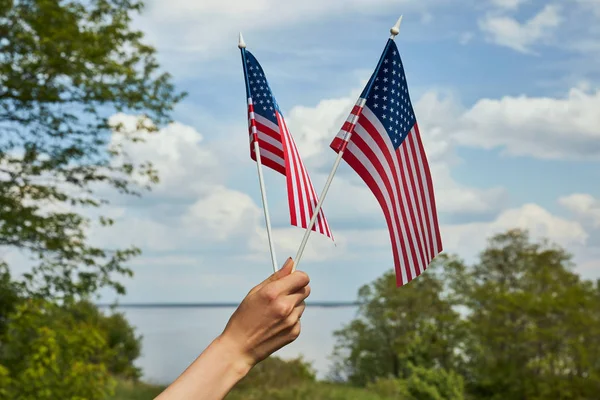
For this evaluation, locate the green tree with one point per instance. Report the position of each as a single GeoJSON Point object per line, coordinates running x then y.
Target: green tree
{"type": "Point", "coordinates": [276, 373]}
{"type": "Point", "coordinates": [123, 345]}
{"type": "Point", "coordinates": [9, 297]}
{"type": "Point", "coordinates": [47, 354]}
{"type": "Point", "coordinates": [67, 66]}
{"type": "Point", "coordinates": [397, 328]}
{"type": "Point", "coordinates": [421, 384]}
{"type": "Point", "coordinates": [534, 325]}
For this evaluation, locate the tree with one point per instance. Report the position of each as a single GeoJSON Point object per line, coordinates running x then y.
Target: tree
{"type": "Point", "coordinates": [534, 325]}
{"type": "Point", "coordinates": [397, 328]}
{"type": "Point", "coordinates": [422, 384]}
{"type": "Point", "coordinates": [65, 68]}
{"type": "Point", "coordinates": [47, 354]}
{"type": "Point", "coordinates": [123, 345]}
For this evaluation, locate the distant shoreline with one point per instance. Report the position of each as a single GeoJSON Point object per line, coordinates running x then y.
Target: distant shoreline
{"type": "Point", "coordinates": [319, 304]}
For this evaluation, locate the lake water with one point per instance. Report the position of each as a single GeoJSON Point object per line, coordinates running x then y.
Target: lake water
{"type": "Point", "coordinates": [174, 337]}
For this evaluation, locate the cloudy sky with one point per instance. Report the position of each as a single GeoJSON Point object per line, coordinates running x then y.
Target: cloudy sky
{"type": "Point", "coordinates": [506, 94]}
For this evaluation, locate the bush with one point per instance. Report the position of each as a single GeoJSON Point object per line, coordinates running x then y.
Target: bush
{"type": "Point", "coordinates": [47, 354]}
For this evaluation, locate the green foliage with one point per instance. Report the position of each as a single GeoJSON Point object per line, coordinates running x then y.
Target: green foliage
{"type": "Point", "coordinates": [275, 372]}
{"type": "Point", "coordinates": [519, 324]}
{"type": "Point", "coordinates": [534, 326]}
{"type": "Point", "coordinates": [397, 328]}
{"type": "Point", "coordinates": [65, 68]}
{"type": "Point", "coordinates": [422, 384]}
{"type": "Point", "coordinates": [307, 391]}
{"type": "Point", "coordinates": [124, 347]}
{"type": "Point", "coordinates": [47, 354]}
{"type": "Point", "coordinates": [128, 390]}
{"type": "Point", "coordinates": [9, 297]}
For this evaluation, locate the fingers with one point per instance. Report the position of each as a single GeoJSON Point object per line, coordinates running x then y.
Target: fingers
{"type": "Point", "coordinates": [301, 295]}
{"type": "Point", "coordinates": [292, 282]}
{"type": "Point", "coordinates": [284, 271]}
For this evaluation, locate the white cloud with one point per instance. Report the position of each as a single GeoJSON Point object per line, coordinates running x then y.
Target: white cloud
{"type": "Point", "coordinates": [542, 127]}
{"type": "Point", "coordinates": [584, 206]}
{"type": "Point", "coordinates": [507, 31]}
{"type": "Point", "coordinates": [508, 4]}
{"type": "Point", "coordinates": [468, 239]}
{"type": "Point", "coordinates": [314, 127]}
{"type": "Point", "coordinates": [202, 26]}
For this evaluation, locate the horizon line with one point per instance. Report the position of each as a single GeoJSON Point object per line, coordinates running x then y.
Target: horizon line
{"type": "Point", "coordinates": [321, 304]}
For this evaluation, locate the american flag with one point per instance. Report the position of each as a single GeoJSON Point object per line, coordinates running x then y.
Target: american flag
{"type": "Point", "coordinates": [277, 147]}
{"type": "Point", "coordinates": [381, 142]}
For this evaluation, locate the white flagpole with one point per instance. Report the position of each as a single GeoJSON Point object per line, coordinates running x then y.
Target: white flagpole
{"type": "Point", "coordinates": [263, 190]}
{"type": "Point", "coordinates": [395, 30]}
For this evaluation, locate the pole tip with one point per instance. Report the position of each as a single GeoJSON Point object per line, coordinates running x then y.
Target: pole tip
{"type": "Point", "coordinates": [241, 43]}
{"type": "Point", "coordinates": [396, 28]}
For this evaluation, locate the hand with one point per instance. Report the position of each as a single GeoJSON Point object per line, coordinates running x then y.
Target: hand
{"type": "Point", "coordinates": [266, 320]}
{"type": "Point", "coordinates": [269, 317]}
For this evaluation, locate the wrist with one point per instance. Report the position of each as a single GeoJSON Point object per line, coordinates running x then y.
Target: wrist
{"type": "Point", "coordinates": [238, 362]}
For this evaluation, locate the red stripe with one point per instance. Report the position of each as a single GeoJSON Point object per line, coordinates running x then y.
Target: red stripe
{"type": "Point", "coordinates": [425, 222]}
{"type": "Point", "coordinates": [360, 169]}
{"type": "Point", "coordinates": [267, 162]}
{"type": "Point", "coordinates": [400, 184]}
{"type": "Point", "coordinates": [409, 187]}
{"type": "Point", "coordinates": [413, 205]}
{"type": "Point", "coordinates": [431, 190]}
{"type": "Point", "coordinates": [268, 131]}
{"type": "Point", "coordinates": [386, 179]}
{"type": "Point", "coordinates": [293, 179]}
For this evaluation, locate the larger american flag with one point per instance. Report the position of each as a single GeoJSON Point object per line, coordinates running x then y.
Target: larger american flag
{"type": "Point", "coordinates": [278, 150]}
{"type": "Point", "coordinates": [381, 142]}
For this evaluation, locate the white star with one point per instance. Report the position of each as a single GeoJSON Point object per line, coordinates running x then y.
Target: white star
{"type": "Point", "coordinates": [384, 98]}
{"type": "Point", "coordinates": [376, 96]}
{"type": "Point", "coordinates": [376, 87]}
{"type": "Point", "coordinates": [385, 79]}
{"type": "Point", "coordinates": [385, 70]}
{"type": "Point", "coordinates": [376, 105]}
{"type": "Point", "coordinates": [386, 61]}
{"type": "Point", "coordinates": [385, 88]}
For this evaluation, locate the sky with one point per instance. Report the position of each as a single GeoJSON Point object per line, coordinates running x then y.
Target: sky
{"type": "Point", "coordinates": [506, 94]}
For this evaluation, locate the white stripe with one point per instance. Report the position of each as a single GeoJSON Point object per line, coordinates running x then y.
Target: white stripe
{"type": "Point", "coordinates": [297, 167]}
{"type": "Point", "coordinates": [428, 194]}
{"type": "Point", "coordinates": [267, 123]}
{"type": "Point", "coordinates": [292, 172]}
{"type": "Point", "coordinates": [362, 158]}
{"type": "Point", "coordinates": [397, 207]}
{"type": "Point", "coordinates": [417, 193]}
{"type": "Point", "coordinates": [267, 154]}
{"type": "Point", "coordinates": [264, 137]}
{"type": "Point", "coordinates": [419, 236]}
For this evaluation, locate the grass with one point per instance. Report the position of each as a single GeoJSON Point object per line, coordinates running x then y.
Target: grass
{"type": "Point", "coordinates": [136, 391]}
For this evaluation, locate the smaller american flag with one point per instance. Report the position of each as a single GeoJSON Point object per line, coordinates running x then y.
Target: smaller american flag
{"type": "Point", "coordinates": [277, 147]}
{"type": "Point", "coordinates": [381, 142]}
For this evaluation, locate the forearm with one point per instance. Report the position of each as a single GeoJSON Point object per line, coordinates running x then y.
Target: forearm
{"type": "Point", "coordinates": [211, 376]}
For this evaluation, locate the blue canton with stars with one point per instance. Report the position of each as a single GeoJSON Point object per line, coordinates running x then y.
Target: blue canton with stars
{"type": "Point", "coordinates": [262, 97]}
{"type": "Point", "coordinates": [389, 99]}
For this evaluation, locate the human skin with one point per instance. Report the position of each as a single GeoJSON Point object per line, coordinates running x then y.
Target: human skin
{"type": "Point", "coordinates": [266, 320]}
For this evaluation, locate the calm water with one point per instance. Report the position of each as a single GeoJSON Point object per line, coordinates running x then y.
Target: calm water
{"type": "Point", "coordinates": [173, 337]}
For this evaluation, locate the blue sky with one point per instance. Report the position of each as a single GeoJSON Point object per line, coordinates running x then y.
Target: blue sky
{"type": "Point", "coordinates": [506, 92]}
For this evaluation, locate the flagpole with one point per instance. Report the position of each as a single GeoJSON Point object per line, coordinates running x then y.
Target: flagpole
{"type": "Point", "coordinates": [261, 181]}
{"type": "Point", "coordinates": [394, 31]}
